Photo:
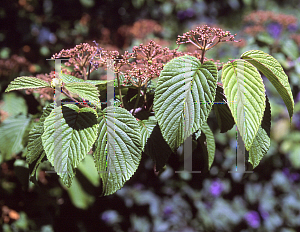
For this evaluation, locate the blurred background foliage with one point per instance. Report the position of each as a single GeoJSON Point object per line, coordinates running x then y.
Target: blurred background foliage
{"type": "Point", "coordinates": [267, 200]}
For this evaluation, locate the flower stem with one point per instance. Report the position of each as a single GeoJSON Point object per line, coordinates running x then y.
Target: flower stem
{"type": "Point", "coordinates": [120, 90]}
{"type": "Point", "coordinates": [203, 52]}
{"type": "Point", "coordinates": [138, 97]}
{"type": "Point", "coordinates": [69, 96]}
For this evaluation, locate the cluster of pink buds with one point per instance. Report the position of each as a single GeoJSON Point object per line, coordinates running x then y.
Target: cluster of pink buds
{"type": "Point", "coordinates": [206, 37]}
{"type": "Point", "coordinates": [148, 64]}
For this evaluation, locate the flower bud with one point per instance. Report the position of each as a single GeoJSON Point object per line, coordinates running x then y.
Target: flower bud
{"type": "Point", "coordinates": [55, 81]}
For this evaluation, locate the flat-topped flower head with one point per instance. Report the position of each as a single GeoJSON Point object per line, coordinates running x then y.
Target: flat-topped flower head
{"type": "Point", "coordinates": [206, 37]}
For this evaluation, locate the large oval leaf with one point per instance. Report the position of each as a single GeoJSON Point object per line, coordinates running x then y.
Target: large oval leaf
{"type": "Point", "coordinates": [184, 97]}
{"type": "Point", "coordinates": [245, 93]}
{"type": "Point", "coordinates": [69, 133]}
{"type": "Point", "coordinates": [118, 148]}
{"type": "Point", "coordinates": [272, 69]}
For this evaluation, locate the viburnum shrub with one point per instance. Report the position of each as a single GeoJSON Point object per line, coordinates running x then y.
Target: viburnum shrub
{"type": "Point", "coordinates": [162, 97]}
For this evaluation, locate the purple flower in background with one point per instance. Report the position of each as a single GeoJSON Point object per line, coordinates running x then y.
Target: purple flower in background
{"type": "Point", "coordinates": [168, 210]}
{"type": "Point", "coordinates": [292, 27]}
{"type": "Point", "coordinates": [291, 176]}
{"type": "Point", "coordinates": [274, 29]}
{"type": "Point", "coordinates": [264, 214]}
{"type": "Point", "coordinates": [181, 15]}
{"type": "Point", "coordinates": [297, 98]}
{"type": "Point", "coordinates": [252, 218]}
{"type": "Point", "coordinates": [216, 188]}
{"type": "Point", "coordinates": [110, 216]}
{"type": "Point", "coordinates": [189, 12]}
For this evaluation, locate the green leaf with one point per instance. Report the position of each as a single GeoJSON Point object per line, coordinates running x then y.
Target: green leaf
{"type": "Point", "coordinates": [118, 148]}
{"type": "Point", "coordinates": [259, 148]}
{"type": "Point", "coordinates": [222, 111]}
{"type": "Point", "coordinates": [35, 147]}
{"type": "Point", "coordinates": [14, 104]}
{"type": "Point", "coordinates": [26, 83]}
{"type": "Point", "coordinates": [80, 198]}
{"type": "Point", "coordinates": [290, 48]}
{"type": "Point", "coordinates": [271, 68]}
{"type": "Point", "coordinates": [66, 78]}
{"type": "Point", "coordinates": [262, 142]}
{"type": "Point", "coordinates": [146, 127]}
{"type": "Point", "coordinates": [69, 133]}
{"type": "Point", "coordinates": [33, 167]}
{"type": "Point", "coordinates": [210, 143]}
{"type": "Point", "coordinates": [245, 93]}
{"type": "Point", "coordinates": [157, 148]}
{"type": "Point", "coordinates": [184, 97]}
{"type": "Point", "coordinates": [11, 134]}
{"type": "Point", "coordinates": [88, 169]}
{"type": "Point", "coordinates": [85, 91]}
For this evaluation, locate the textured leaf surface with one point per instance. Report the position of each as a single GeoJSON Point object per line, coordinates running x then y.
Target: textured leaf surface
{"type": "Point", "coordinates": [35, 146]}
{"type": "Point", "coordinates": [85, 91]}
{"type": "Point", "coordinates": [210, 143]}
{"type": "Point", "coordinates": [184, 97]}
{"type": "Point", "coordinates": [69, 133]}
{"type": "Point", "coordinates": [272, 69]}
{"type": "Point", "coordinates": [147, 127]}
{"type": "Point", "coordinates": [26, 83]}
{"type": "Point", "coordinates": [245, 93]}
{"type": "Point", "coordinates": [11, 134]}
{"type": "Point", "coordinates": [262, 142]}
{"type": "Point", "coordinates": [118, 148]}
{"type": "Point", "coordinates": [222, 111]}
{"type": "Point", "coordinates": [71, 79]}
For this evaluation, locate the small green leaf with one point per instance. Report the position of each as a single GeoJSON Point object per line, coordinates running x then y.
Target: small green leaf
{"type": "Point", "coordinates": [118, 148]}
{"type": "Point", "coordinates": [245, 93]}
{"type": "Point", "coordinates": [26, 83]}
{"type": "Point", "coordinates": [66, 78]}
{"type": "Point", "coordinates": [79, 197]}
{"type": "Point", "coordinates": [272, 69]}
{"type": "Point", "coordinates": [222, 111]}
{"type": "Point", "coordinates": [11, 133]}
{"type": "Point", "coordinates": [157, 148]}
{"type": "Point", "coordinates": [259, 148]}
{"type": "Point", "coordinates": [35, 147]}
{"type": "Point", "coordinates": [262, 142]}
{"type": "Point", "coordinates": [69, 133]}
{"type": "Point", "coordinates": [146, 129]}
{"type": "Point", "coordinates": [184, 97]}
{"type": "Point", "coordinates": [88, 169]}
{"type": "Point", "coordinates": [290, 48]}
{"type": "Point", "coordinates": [85, 91]}
{"type": "Point", "coordinates": [14, 104]}
{"type": "Point", "coordinates": [210, 143]}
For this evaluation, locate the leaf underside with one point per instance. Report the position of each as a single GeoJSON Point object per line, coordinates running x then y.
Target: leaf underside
{"type": "Point", "coordinates": [245, 93]}
{"type": "Point", "coordinates": [272, 69]}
